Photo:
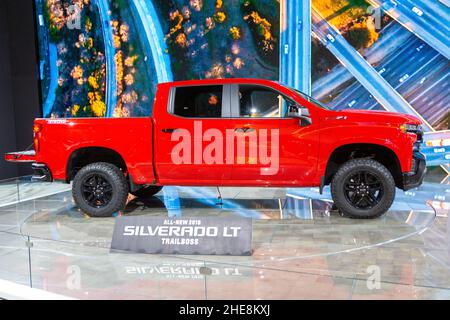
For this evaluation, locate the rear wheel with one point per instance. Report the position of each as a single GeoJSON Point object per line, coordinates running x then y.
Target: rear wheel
{"type": "Point", "coordinates": [100, 189]}
{"type": "Point", "coordinates": [363, 188]}
{"type": "Point", "coordinates": [147, 192]}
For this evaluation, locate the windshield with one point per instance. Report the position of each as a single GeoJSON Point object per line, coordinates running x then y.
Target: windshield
{"type": "Point", "coordinates": [310, 99]}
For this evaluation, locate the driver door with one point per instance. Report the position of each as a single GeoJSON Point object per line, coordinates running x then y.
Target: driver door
{"type": "Point", "coordinates": [291, 145]}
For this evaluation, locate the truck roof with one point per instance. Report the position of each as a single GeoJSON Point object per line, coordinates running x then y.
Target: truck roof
{"type": "Point", "coordinates": [220, 81]}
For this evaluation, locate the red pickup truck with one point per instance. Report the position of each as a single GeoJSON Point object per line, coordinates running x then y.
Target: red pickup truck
{"type": "Point", "coordinates": [231, 132]}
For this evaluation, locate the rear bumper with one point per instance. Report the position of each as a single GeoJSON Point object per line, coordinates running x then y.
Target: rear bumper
{"type": "Point", "coordinates": [21, 156]}
{"type": "Point", "coordinates": [41, 173]}
{"type": "Point", "coordinates": [415, 178]}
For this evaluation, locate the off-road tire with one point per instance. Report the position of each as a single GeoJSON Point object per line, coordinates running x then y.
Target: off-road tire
{"type": "Point", "coordinates": [113, 176]}
{"type": "Point", "coordinates": [375, 170]}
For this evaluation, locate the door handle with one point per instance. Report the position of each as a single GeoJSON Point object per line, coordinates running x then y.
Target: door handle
{"type": "Point", "coordinates": [244, 129]}
{"type": "Point", "coordinates": [169, 130]}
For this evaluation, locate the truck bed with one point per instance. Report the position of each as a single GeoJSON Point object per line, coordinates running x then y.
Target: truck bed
{"type": "Point", "coordinates": [131, 138]}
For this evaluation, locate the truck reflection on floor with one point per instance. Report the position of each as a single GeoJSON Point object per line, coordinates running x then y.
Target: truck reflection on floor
{"type": "Point", "coordinates": [293, 203]}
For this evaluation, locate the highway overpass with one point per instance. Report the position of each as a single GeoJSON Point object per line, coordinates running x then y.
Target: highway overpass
{"type": "Point", "coordinates": [110, 52]}
{"type": "Point", "coordinates": [155, 44]}
{"type": "Point", "coordinates": [295, 44]}
{"type": "Point", "coordinates": [428, 19]}
{"type": "Point", "coordinates": [381, 90]}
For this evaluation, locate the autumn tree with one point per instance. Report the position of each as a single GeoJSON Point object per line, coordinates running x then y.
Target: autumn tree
{"type": "Point", "coordinates": [220, 17]}
{"type": "Point", "coordinates": [235, 33]}
{"type": "Point", "coordinates": [361, 36]}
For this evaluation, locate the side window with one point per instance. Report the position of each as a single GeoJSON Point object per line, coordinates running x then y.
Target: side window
{"type": "Point", "coordinates": [261, 102]}
{"type": "Point", "coordinates": [198, 102]}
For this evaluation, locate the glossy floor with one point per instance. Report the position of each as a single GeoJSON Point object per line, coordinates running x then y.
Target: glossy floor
{"type": "Point", "coordinates": [302, 249]}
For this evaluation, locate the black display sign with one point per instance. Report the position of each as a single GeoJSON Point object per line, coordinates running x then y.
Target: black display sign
{"type": "Point", "coordinates": [202, 235]}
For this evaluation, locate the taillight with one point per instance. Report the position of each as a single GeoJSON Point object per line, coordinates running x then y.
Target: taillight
{"type": "Point", "coordinates": [36, 144]}
{"type": "Point", "coordinates": [37, 129]}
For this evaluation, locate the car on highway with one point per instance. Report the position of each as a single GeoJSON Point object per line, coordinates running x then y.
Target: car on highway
{"type": "Point", "coordinates": [403, 78]}
{"type": "Point", "coordinates": [420, 47]}
{"type": "Point", "coordinates": [417, 11]}
{"type": "Point", "coordinates": [41, 20]}
{"type": "Point", "coordinates": [231, 132]}
{"type": "Point", "coordinates": [330, 37]}
{"type": "Point", "coordinates": [390, 4]}
{"type": "Point", "coordinates": [351, 103]}
{"type": "Point", "coordinates": [381, 71]}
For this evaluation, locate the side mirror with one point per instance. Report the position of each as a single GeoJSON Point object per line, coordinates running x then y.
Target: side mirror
{"type": "Point", "coordinates": [295, 111]}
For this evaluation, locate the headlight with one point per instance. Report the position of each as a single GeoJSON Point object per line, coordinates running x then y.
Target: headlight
{"type": "Point", "coordinates": [412, 128]}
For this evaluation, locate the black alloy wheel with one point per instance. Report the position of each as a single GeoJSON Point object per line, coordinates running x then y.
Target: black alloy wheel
{"type": "Point", "coordinates": [100, 189]}
{"type": "Point", "coordinates": [363, 190]}
{"type": "Point", "coordinates": [96, 190]}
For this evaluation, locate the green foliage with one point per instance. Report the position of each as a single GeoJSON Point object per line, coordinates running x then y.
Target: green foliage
{"type": "Point", "coordinates": [341, 12]}
{"type": "Point", "coordinates": [361, 35]}
{"type": "Point", "coordinates": [54, 34]}
{"type": "Point", "coordinates": [358, 37]}
{"type": "Point", "coordinates": [359, 3]}
{"type": "Point", "coordinates": [71, 93]}
{"type": "Point", "coordinates": [258, 32]}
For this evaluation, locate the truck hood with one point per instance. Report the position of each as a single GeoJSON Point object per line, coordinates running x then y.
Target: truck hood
{"type": "Point", "coordinates": [379, 116]}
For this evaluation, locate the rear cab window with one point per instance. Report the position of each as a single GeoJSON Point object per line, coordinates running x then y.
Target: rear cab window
{"type": "Point", "coordinates": [198, 102]}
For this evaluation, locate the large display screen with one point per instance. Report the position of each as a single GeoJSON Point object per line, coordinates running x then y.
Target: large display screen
{"type": "Point", "coordinates": [104, 57]}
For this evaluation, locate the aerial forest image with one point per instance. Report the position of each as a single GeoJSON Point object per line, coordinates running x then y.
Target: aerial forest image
{"type": "Point", "coordinates": [103, 58]}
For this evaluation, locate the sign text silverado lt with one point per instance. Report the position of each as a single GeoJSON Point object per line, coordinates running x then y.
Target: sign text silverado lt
{"type": "Point", "coordinates": [231, 132]}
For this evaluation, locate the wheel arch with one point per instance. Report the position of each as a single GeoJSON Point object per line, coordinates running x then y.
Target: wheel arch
{"type": "Point", "coordinates": [384, 155]}
{"type": "Point", "coordinates": [86, 155]}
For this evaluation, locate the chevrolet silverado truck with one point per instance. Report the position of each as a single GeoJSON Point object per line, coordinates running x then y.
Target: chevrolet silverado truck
{"type": "Point", "coordinates": [231, 132]}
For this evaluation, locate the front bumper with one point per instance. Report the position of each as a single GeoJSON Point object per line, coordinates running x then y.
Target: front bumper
{"type": "Point", "coordinates": [414, 179]}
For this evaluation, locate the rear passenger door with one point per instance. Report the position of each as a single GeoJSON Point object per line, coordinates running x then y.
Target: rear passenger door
{"type": "Point", "coordinates": [189, 138]}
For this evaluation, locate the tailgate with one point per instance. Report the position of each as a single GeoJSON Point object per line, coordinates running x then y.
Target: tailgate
{"type": "Point", "coordinates": [21, 156]}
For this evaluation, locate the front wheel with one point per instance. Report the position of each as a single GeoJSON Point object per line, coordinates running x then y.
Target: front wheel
{"type": "Point", "coordinates": [363, 188]}
{"type": "Point", "coordinates": [100, 189]}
